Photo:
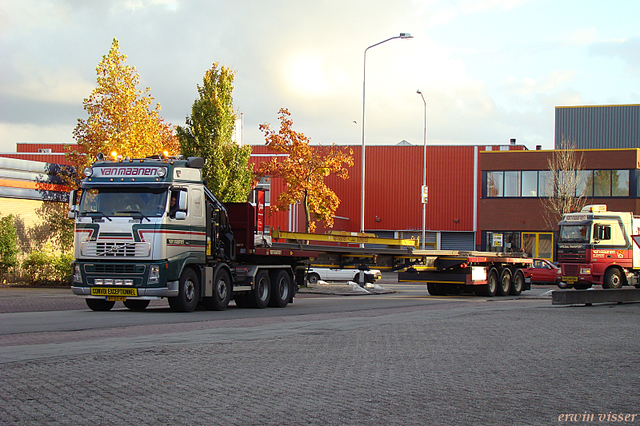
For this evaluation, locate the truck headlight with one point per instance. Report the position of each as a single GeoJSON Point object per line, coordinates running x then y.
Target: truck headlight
{"type": "Point", "coordinates": [77, 275]}
{"type": "Point", "coordinates": [154, 274]}
{"type": "Point", "coordinates": [585, 271]}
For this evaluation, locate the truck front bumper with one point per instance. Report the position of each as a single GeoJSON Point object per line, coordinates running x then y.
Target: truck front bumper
{"type": "Point", "coordinates": [171, 290]}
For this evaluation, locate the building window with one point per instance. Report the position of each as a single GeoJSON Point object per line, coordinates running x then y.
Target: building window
{"type": "Point", "coordinates": [494, 184]}
{"type": "Point", "coordinates": [620, 183]}
{"type": "Point", "coordinates": [529, 183]}
{"type": "Point", "coordinates": [265, 183]}
{"type": "Point", "coordinates": [511, 184]}
{"type": "Point", "coordinates": [602, 183]}
{"type": "Point", "coordinates": [585, 183]}
{"type": "Point", "coordinates": [545, 183]}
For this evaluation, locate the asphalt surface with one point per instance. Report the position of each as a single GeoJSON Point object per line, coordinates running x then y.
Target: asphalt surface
{"type": "Point", "coordinates": [425, 361]}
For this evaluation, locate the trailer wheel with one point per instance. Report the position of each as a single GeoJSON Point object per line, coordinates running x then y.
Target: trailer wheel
{"type": "Point", "coordinates": [221, 292]}
{"type": "Point", "coordinates": [259, 296]}
{"type": "Point", "coordinates": [504, 286]}
{"type": "Point", "coordinates": [99, 304]}
{"type": "Point", "coordinates": [187, 298]}
{"type": "Point", "coordinates": [136, 305]}
{"type": "Point", "coordinates": [491, 287]}
{"type": "Point", "coordinates": [280, 290]}
{"type": "Point", "coordinates": [313, 278]}
{"type": "Point", "coordinates": [613, 278]}
{"type": "Point", "coordinates": [518, 283]}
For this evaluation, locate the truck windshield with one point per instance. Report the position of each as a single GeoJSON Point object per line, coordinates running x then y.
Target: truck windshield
{"type": "Point", "coordinates": [109, 202]}
{"type": "Point", "coordinates": [574, 233]}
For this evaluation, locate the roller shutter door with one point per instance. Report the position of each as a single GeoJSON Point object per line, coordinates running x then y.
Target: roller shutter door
{"type": "Point", "coordinates": [457, 241]}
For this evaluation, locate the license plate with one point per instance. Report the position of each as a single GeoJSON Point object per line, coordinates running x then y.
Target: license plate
{"type": "Point", "coordinates": [110, 291]}
{"type": "Point", "coordinates": [116, 299]}
{"type": "Point", "coordinates": [570, 280]}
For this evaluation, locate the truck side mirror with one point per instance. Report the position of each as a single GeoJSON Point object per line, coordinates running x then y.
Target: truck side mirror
{"type": "Point", "coordinates": [73, 208]}
{"type": "Point", "coordinates": [181, 215]}
{"type": "Point", "coordinates": [182, 200]}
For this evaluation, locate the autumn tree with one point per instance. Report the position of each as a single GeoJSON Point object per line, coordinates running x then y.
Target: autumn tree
{"type": "Point", "coordinates": [121, 117]}
{"type": "Point", "coordinates": [208, 133]}
{"type": "Point", "coordinates": [304, 169]}
{"type": "Point", "coordinates": [564, 189]}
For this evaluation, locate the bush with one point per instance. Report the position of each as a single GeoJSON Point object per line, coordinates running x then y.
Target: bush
{"type": "Point", "coordinates": [8, 244]}
{"type": "Point", "coordinates": [47, 267]}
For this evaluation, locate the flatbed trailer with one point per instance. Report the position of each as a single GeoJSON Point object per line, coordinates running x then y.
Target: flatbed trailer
{"type": "Point", "coordinates": [456, 271]}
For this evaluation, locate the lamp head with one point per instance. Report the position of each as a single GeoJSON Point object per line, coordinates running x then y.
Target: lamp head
{"type": "Point", "coordinates": [405, 35]}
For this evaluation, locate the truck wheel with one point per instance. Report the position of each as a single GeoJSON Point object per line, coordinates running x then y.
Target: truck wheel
{"type": "Point", "coordinates": [504, 286]}
{"type": "Point", "coordinates": [187, 298]}
{"type": "Point", "coordinates": [313, 278]}
{"type": "Point", "coordinates": [259, 296]}
{"type": "Point", "coordinates": [518, 283]}
{"type": "Point", "coordinates": [613, 278]}
{"type": "Point", "coordinates": [136, 305]}
{"type": "Point", "coordinates": [221, 292]}
{"type": "Point", "coordinates": [491, 287]}
{"type": "Point", "coordinates": [280, 290]}
{"type": "Point", "coordinates": [99, 304]}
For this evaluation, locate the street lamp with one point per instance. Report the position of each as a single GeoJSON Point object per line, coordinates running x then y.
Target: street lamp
{"type": "Point", "coordinates": [424, 171]}
{"type": "Point", "coordinates": [364, 74]}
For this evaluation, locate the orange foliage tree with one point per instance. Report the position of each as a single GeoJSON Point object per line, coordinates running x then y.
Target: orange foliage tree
{"type": "Point", "coordinates": [304, 170]}
{"type": "Point", "coordinates": [121, 117]}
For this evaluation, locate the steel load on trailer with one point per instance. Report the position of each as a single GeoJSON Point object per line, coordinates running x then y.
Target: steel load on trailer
{"type": "Point", "coordinates": [455, 272]}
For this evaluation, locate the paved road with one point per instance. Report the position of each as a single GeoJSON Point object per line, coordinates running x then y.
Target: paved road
{"type": "Point", "coordinates": [400, 359]}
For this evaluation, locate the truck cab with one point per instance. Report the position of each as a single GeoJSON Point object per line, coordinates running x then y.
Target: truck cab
{"type": "Point", "coordinates": [595, 248]}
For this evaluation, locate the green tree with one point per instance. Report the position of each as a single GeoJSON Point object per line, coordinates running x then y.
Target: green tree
{"type": "Point", "coordinates": [304, 169]}
{"type": "Point", "coordinates": [8, 244]}
{"type": "Point", "coordinates": [208, 134]}
{"type": "Point", "coordinates": [121, 117]}
{"type": "Point", "coordinates": [61, 228]}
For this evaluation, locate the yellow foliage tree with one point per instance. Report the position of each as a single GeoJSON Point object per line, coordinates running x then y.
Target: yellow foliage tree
{"type": "Point", "coordinates": [121, 117]}
{"type": "Point", "coordinates": [304, 170]}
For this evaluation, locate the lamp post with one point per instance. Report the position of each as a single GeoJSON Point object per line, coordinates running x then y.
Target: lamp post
{"type": "Point", "coordinates": [364, 74]}
{"type": "Point", "coordinates": [424, 171]}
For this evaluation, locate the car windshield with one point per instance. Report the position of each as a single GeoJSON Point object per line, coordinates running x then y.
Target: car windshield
{"type": "Point", "coordinates": [109, 202]}
{"type": "Point", "coordinates": [574, 233]}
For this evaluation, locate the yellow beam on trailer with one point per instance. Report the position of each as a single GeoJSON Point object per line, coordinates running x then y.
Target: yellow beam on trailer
{"type": "Point", "coordinates": [344, 237]}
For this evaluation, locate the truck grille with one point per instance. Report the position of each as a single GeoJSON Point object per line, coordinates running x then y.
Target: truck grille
{"type": "Point", "coordinates": [570, 270]}
{"type": "Point", "coordinates": [112, 249]}
{"type": "Point", "coordinates": [112, 268]}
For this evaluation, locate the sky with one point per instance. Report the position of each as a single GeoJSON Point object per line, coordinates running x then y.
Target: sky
{"type": "Point", "coordinates": [489, 70]}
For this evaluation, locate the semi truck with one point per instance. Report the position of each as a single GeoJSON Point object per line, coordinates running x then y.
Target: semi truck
{"type": "Point", "coordinates": [149, 228]}
{"type": "Point", "coordinates": [595, 247]}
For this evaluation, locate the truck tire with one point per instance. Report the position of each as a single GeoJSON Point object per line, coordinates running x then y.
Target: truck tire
{"type": "Point", "coordinates": [280, 290]}
{"type": "Point", "coordinates": [491, 287]}
{"type": "Point", "coordinates": [261, 293]}
{"type": "Point", "coordinates": [221, 292]}
{"type": "Point", "coordinates": [504, 285]}
{"type": "Point", "coordinates": [188, 291]}
{"type": "Point", "coordinates": [99, 304]}
{"type": "Point", "coordinates": [136, 305]}
{"type": "Point", "coordinates": [518, 283]}
{"type": "Point", "coordinates": [613, 278]}
{"type": "Point", "coordinates": [313, 278]}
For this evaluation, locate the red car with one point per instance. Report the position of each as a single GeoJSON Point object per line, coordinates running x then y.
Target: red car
{"type": "Point", "coordinates": [543, 272]}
